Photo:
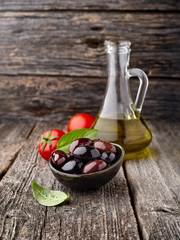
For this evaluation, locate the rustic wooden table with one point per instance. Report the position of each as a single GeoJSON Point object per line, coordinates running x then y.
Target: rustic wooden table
{"type": "Point", "coordinates": [141, 202]}
{"type": "Point", "coordinates": [53, 65]}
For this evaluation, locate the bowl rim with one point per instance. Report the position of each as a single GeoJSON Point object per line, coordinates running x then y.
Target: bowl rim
{"type": "Point", "coordinates": [120, 159]}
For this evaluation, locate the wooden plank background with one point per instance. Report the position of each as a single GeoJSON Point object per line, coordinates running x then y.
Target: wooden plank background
{"type": "Point", "coordinates": [93, 5]}
{"type": "Point", "coordinates": [52, 58]}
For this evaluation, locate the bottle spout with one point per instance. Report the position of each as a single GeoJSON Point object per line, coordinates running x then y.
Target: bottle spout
{"type": "Point", "coordinates": [122, 46]}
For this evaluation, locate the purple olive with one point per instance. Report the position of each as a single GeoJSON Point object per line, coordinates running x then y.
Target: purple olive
{"type": "Point", "coordinates": [94, 166]}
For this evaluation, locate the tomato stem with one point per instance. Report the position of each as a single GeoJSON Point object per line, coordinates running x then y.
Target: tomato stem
{"type": "Point", "coordinates": [47, 140]}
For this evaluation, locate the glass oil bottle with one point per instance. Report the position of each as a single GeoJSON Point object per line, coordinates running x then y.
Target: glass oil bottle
{"type": "Point", "coordinates": [119, 120]}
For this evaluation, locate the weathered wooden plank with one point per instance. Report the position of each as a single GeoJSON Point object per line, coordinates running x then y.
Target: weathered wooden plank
{"type": "Point", "coordinates": [75, 87]}
{"type": "Point", "coordinates": [86, 5]}
{"type": "Point", "coordinates": [155, 184]}
{"type": "Point", "coordinates": [102, 214]}
{"type": "Point", "coordinates": [34, 98]}
{"type": "Point", "coordinates": [71, 43]}
{"type": "Point", "coordinates": [13, 137]}
{"type": "Point", "coordinates": [39, 110]}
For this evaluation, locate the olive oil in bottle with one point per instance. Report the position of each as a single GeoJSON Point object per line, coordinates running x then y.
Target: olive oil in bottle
{"type": "Point", "coordinates": [132, 134]}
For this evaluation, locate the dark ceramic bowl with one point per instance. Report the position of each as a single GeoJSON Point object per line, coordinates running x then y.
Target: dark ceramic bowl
{"type": "Point", "coordinates": [83, 182]}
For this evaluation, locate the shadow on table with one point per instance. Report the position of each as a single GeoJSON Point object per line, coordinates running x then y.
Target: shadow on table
{"type": "Point", "coordinates": [146, 154]}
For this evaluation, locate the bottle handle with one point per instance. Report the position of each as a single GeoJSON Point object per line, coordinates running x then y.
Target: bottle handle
{"type": "Point", "coordinates": [143, 86]}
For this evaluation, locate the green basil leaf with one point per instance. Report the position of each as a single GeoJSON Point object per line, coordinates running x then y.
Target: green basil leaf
{"type": "Point", "coordinates": [68, 138]}
{"type": "Point", "coordinates": [48, 197]}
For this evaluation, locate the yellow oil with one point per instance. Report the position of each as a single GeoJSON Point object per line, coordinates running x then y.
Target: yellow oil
{"type": "Point", "coordinates": [132, 134]}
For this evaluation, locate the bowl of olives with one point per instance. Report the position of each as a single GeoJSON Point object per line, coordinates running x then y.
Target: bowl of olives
{"type": "Point", "coordinates": [89, 164]}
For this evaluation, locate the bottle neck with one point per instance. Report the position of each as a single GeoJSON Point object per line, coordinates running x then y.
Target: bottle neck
{"type": "Point", "coordinates": [118, 62]}
{"type": "Point", "coordinates": [118, 94]}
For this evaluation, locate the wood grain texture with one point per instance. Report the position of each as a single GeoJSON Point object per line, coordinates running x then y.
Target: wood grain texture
{"type": "Point", "coordinates": [155, 184]}
{"type": "Point", "coordinates": [71, 43]}
{"type": "Point", "coordinates": [47, 5]}
{"type": "Point", "coordinates": [102, 214]}
{"type": "Point", "coordinates": [36, 98]}
{"type": "Point", "coordinates": [13, 136]}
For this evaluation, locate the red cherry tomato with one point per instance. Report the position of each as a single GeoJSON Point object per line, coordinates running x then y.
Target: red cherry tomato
{"type": "Point", "coordinates": [81, 120]}
{"type": "Point", "coordinates": [48, 142]}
